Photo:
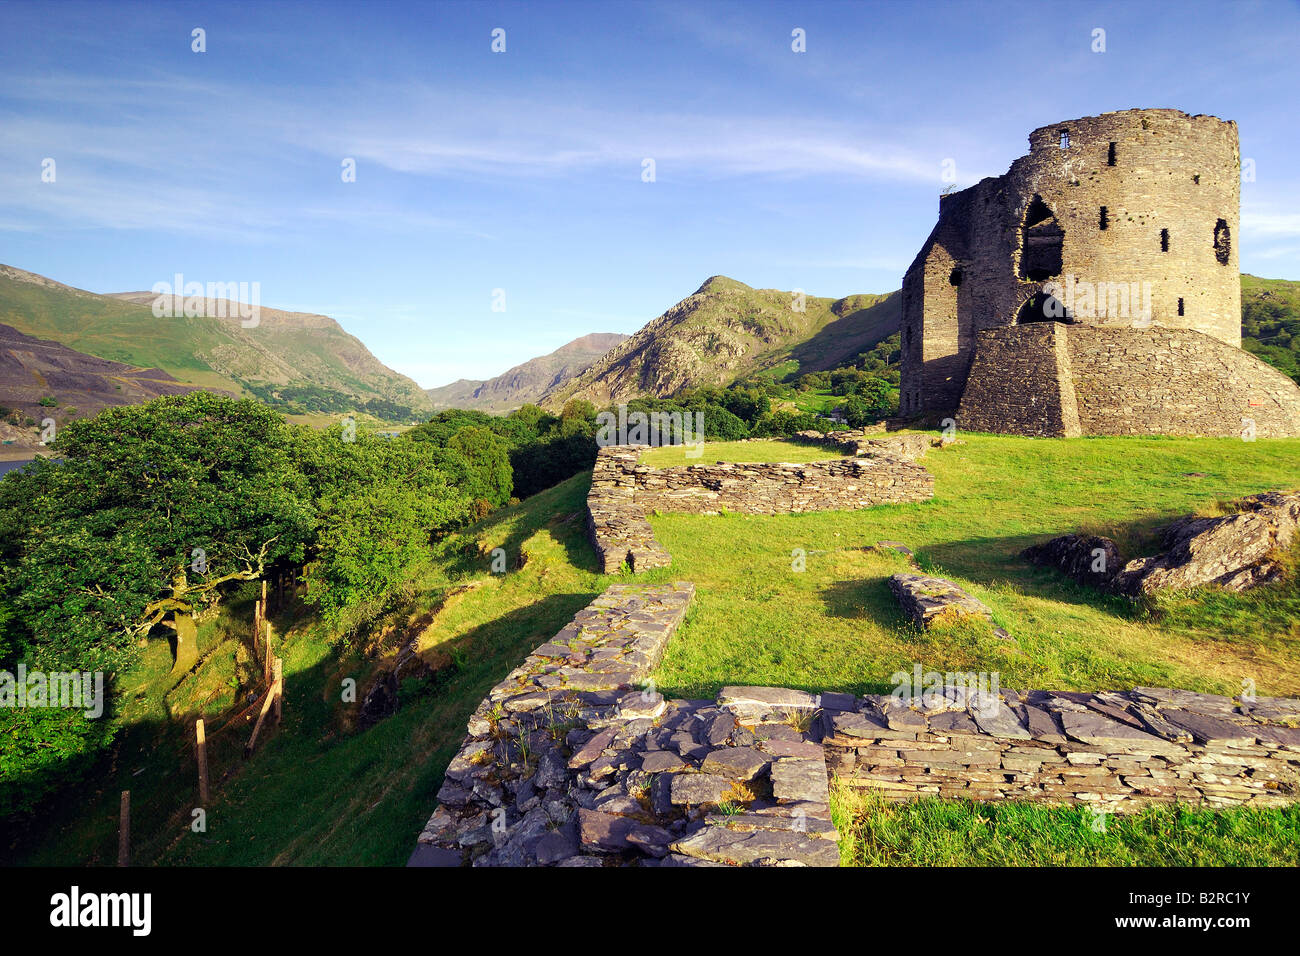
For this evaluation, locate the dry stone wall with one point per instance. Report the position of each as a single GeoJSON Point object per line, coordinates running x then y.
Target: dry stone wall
{"type": "Point", "coordinates": [572, 760]}
{"type": "Point", "coordinates": [569, 762]}
{"type": "Point", "coordinates": [624, 491]}
{"type": "Point", "coordinates": [1116, 751]}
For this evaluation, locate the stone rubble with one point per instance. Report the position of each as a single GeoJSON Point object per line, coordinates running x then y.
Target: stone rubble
{"type": "Point", "coordinates": [929, 600]}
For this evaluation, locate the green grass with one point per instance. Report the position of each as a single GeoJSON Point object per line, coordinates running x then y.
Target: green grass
{"type": "Point", "coordinates": [934, 832]}
{"type": "Point", "coordinates": [836, 626]}
{"type": "Point", "coordinates": [670, 456]}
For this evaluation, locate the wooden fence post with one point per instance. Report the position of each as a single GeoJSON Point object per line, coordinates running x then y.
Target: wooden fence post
{"type": "Point", "coordinates": [278, 674]}
{"type": "Point", "coordinates": [124, 831]}
{"type": "Point", "coordinates": [202, 749]}
{"type": "Point", "coordinates": [266, 670]}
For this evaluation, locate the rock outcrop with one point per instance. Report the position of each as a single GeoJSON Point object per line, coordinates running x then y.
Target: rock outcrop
{"type": "Point", "coordinates": [1236, 552]}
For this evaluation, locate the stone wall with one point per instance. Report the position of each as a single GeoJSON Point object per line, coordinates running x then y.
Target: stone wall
{"type": "Point", "coordinates": [623, 492]}
{"type": "Point", "coordinates": [1020, 383]}
{"type": "Point", "coordinates": [872, 442]}
{"type": "Point", "coordinates": [1117, 751]}
{"type": "Point", "coordinates": [1136, 196]}
{"type": "Point", "coordinates": [571, 761]}
{"type": "Point", "coordinates": [1060, 379]}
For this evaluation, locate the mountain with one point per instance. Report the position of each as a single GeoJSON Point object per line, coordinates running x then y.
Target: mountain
{"type": "Point", "coordinates": [727, 331]}
{"type": "Point", "coordinates": [527, 382]}
{"type": "Point", "coordinates": [292, 360]}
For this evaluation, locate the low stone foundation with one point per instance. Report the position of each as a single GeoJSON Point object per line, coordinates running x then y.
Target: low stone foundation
{"type": "Point", "coordinates": [569, 762]}
{"type": "Point", "coordinates": [623, 492]}
{"type": "Point", "coordinates": [1117, 751]}
{"type": "Point", "coordinates": [871, 441]}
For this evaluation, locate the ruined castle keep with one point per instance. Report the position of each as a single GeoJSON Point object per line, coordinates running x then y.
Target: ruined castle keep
{"type": "Point", "coordinates": [1093, 289]}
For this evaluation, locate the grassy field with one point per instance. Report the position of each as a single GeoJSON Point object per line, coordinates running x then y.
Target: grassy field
{"type": "Point", "coordinates": [322, 791]}
{"type": "Point", "coordinates": [933, 832]}
{"type": "Point", "coordinates": [671, 456]}
{"type": "Point", "coordinates": [836, 626]}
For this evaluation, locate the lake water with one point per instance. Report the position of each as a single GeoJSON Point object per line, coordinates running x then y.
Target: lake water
{"type": "Point", "coordinates": [13, 465]}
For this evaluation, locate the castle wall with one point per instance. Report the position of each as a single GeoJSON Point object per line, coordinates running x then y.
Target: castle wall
{"type": "Point", "coordinates": [1163, 382]}
{"type": "Point", "coordinates": [1021, 383]}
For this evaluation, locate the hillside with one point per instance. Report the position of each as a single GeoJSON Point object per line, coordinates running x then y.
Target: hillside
{"type": "Point", "coordinates": [1270, 322]}
{"type": "Point", "coordinates": [727, 330]}
{"type": "Point", "coordinates": [293, 361]}
{"type": "Point", "coordinates": [529, 381]}
{"type": "Point", "coordinates": [326, 791]}
{"type": "Point", "coordinates": [41, 379]}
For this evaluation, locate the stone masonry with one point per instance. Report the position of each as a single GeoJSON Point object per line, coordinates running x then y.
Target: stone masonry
{"type": "Point", "coordinates": [570, 762]}
{"type": "Point", "coordinates": [624, 491]}
{"type": "Point", "coordinates": [573, 761]}
{"type": "Point", "coordinates": [1027, 306]}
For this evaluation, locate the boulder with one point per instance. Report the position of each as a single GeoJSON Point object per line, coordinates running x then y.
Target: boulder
{"type": "Point", "coordinates": [1236, 551]}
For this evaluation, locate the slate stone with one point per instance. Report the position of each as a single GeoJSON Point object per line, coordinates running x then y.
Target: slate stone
{"type": "Point", "coordinates": [800, 778]}
{"type": "Point", "coordinates": [650, 839]}
{"type": "Point", "coordinates": [661, 761]}
{"type": "Point", "coordinates": [1210, 730]}
{"type": "Point", "coordinates": [1090, 727]}
{"type": "Point", "coordinates": [770, 847]}
{"type": "Point", "coordinates": [695, 789]}
{"type": "Point", "coordinates": [738, 763]}
{"type": "Point", "coordinates": [997, 719]}
{"type": "Point", "coordinates": [557, 845]}
{"type": "Point", "coordinates": [837, 701]}
{"type": "Point", "coordinates": [592, 748]}
{"type": "Point", "coordinates": [952, 722]}
{"type": "Point", "coordinates": [603, 831]}
{"type": "Point", "coordinates": [426, 855]}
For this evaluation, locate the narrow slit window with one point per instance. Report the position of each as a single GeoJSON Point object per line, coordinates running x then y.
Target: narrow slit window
{"type": "Point", "coordinates": [1103, 221]}
{"type": "Point", "coordinates": [1180, 306]}
{"type": "Point", "coordinates": [1164, 240]}
{"type": "Point", "coordinates": [1065, 139]}
{"type": "Point", "coordinates": [1110, 156]}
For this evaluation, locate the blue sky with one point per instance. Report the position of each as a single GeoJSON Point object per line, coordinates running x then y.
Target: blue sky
{"type": "Point", "coordinates": [522, 170]}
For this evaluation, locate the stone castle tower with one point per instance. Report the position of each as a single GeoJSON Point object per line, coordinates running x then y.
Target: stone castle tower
{"type": "Point", "coordinates": [1093, 289]}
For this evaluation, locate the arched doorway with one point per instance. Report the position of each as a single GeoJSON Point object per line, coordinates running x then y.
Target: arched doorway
{"type": "Point", "coordinates": [1042, 307]}
{"type": "Point", "coordinates": [1042, 238]}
